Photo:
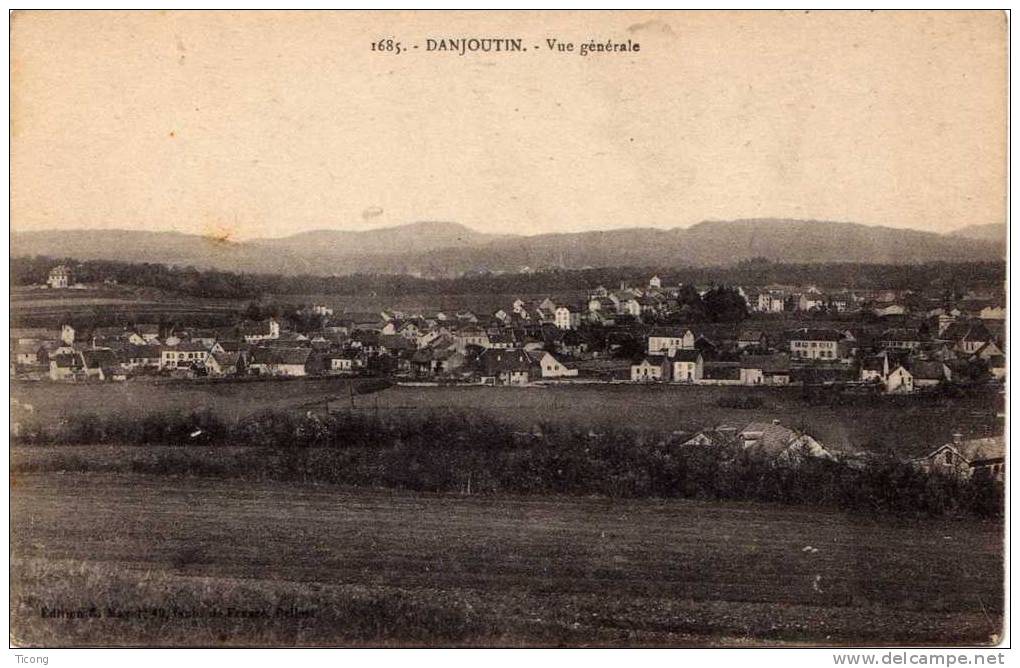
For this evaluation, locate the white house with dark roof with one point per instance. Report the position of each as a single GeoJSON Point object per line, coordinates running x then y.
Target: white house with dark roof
{"type": "Point", "coordinates": [667, 340]}
{"type": "Point", "coordinates": [967, 458]}
{"type": "Point", "coordinates": [648, 370]}
{"type": "Point", "coordinates": [184, 354]}
{"type": "Point", "coordinates": [60, 277]}
{"type": "Point", "coordinates": [815, 344]}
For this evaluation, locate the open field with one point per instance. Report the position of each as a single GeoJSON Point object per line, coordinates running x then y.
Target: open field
{"type": "Point", "coordinates": [896, 424]}
{"type": "Point", "coordinates": [900, 424]}
{"type": "Point", "coordinates": [115, 305]}
{"type": "Point", "coordinates": [230, 399]}
{"type": "Point", "coordinates": [303, 564]}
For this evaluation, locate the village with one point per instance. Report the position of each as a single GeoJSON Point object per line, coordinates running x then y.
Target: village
{"type": "Point", "coordinates": [875, 343]}
{"type": "Point", "coordinates": [632, 334]}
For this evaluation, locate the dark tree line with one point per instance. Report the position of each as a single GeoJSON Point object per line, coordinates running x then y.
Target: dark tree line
{"type": "Point", "coordinates": [950, 278]}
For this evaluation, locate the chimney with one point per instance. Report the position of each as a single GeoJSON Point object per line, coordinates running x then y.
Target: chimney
{"type": "Point", "coordinates": [957, 438]}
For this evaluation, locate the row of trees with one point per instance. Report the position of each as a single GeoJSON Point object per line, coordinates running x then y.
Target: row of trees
{"type": "Point", "coordinates": [951, 278]}
{"type": "Point", "coordinates": [456, 453]}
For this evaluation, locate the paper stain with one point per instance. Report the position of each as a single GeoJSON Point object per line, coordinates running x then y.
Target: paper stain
{"type": "Point", "coordinates": [219, 236]}
{"type": "Point", "coordinates": [372, 212]}
{"type": "Point", "coordinates": [180, 49]}
{"type": "Point", "coordinates": [655, 25]}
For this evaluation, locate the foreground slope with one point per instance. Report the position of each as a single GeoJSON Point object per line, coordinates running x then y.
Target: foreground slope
{"type": "Point", "coordinates": [201, 562]}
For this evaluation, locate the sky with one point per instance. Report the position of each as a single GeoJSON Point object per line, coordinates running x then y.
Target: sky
{"type": "Point", "coordinates": [264, 124]}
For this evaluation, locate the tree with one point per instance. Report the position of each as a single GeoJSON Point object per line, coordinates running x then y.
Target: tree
{"type": "Point", "coordinates": [723, 304]}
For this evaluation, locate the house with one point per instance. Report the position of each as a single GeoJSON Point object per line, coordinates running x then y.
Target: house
{"type": "Point", "coordinates": [810, 301]}
{"type": "Point", "coordinates": [928, 373]}
{"type": "Point", "coordinates": [602, 303]}
{"type": "Point", "coordinates": [967, 337]}
{"type": "Point", "coordinates": [140, 356]}
{"type": "Point", "coordinates": [545, 365]}
{"type": "Point", "coordinates": [502, 340]}
{"type": "Point", "coordinates": [394, 344]}
{"type": "Point", "coordinates": [227, 346]}
{"type": "Point", "coordinates": [629, 306]}
{"type": "Point", "coordinates": [667, 340]}
{"type": "Point", "coordinates": [765, 370]}
{"type": "Point", "coordinates": [259, 330]}
{"type": "Point", "coordinates": [470, 336]}
{"type": "Point", "coordinates": [875, 369]}
{"type": "Point", "coordinates": [66, 366]}
{"type": "Point", "coordinates": [994, 312]}
{"type": "Point", "coordinates": [899, 381]}
{"type": "Point", "coordinates": [225, 363]}
{"type": "Point", "coordinates": [997, 367]}
{"type": "Point", "coordinates": [686, 366]}
{"type": "Point", "coordinates": [815, 344]}
{"type": "Point", "coordinates": [722, 373]}
{"type": "Point", "coordinates": [339, 363]}
{"type": "Point", "coordinates": [504, 367]}
{"type": "Point", "coordinates": [978, 457]}
{"type": "Point", "coordinates": [900, 338]}
{"type": "Point", "coordinates": [752, 338]}
{"type": "Point", "coordinates": [770, 301]}
{"type": "Point", "coordinates": [143, 334]}
{"type": "Point", "coordinates": [721, 437]}
{"type": "Point", "coordinates": [60, 277]}
{"type": "Point", "coordinates": [272, 361]}
{"type": "Point", "coordinates": [779, 444]}
{"type": "Point", "coordinates": [567, 317]}
{"type": "Point", "coordinates": [33, 334]}
{"type": "Point", "coordinates": [101, 364]}
{"type": "Point", "coordinates": [184, 354]}
{"type": "Point", "coordinates": [27, 352]}
{"type": "Point", "coordinates": [649, 369]}
{"type": "Point", "coordinates": [884, 310]}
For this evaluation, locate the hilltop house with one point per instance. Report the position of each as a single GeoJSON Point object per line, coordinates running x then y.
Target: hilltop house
{"type": "Point", "coordinates": [60, 277]}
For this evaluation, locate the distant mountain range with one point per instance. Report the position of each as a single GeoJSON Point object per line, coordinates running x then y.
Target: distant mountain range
{"type": "Point", "coordinates": [991, 232]}
{"type": "Point", "coordinates": [447, 249]}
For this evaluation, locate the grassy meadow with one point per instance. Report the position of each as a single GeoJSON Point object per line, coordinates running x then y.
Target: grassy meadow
{"type": "Point", "coordinates": [902, 425]}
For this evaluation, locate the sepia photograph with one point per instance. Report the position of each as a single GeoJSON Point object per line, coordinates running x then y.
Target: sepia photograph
{"type": "Point", "coordinates": [509, 329]}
